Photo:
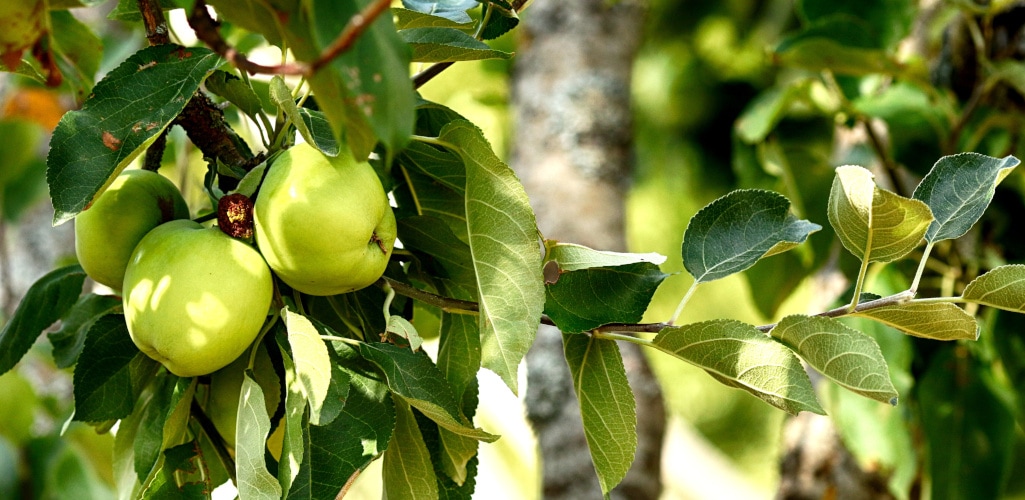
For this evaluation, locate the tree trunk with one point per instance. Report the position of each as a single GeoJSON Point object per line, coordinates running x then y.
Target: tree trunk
{"type": "Point", "coordinates": [573, 152]}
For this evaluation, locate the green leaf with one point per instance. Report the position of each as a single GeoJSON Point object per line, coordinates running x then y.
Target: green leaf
{"type": "Point", "coordinates": [68, 340]}
{"type": "Point", "coordinates": [46, 301]}
{"type": "Point", "coordinates": [342, 449]}
{"type": "Point", "coordinates": [931, 320]}
{"type": "Point", "coordinates": [452, 258]}
{"type": "Point", "coordinates": [295, 443]}
{"type": "Point", "coordinates": [586, 299]}
{"type": "Point", "coordinates": [104, 375]}
{"type": "Point", "coordinates": [312, 125]}
{"type": "Point", "coordinates": [125, 113]}
{"type": "Point", "coordinates": [402, 333]}
{"type": "Point", "coordinates": [182, 475]}
{"type": "Point", "coordinates": [844, 355]}
{"type": "Point", "coordinates": [407, 19]}
{"type": "Point", "coordinates": [312, 364]}
{"type": "Point", "coordinates": [414, 377]}
{"type": "Point", "coordinates": [407, 469]}
{"type": "Point", "coordinates": [874, 224]}
{"type": "Point", "coordinates": [320, 131]}
{"type": "Point", "coordinates": [77, 51]}
{"type": "Point", "coordinates": [740, 355]}
{"type": "Point", "coordinates": [762, 114]}
{"type": "Point", "coordinates": [254, 481]}
{"type": "Point", "coordinates": [606, 405]}
{"type": "Point", "coordinates": [453, 10]}
{"type": "Point", "coordinates": [883, 22]}
{"type": "Point", "coordinates": [366, 92]}
{"type": "Point", "coordinates": [733, 232]}
{"type": "Point", "coordinates": [460, 352]}
{"type": "Point", "coordinates": [958, 190]}
{"type": "Point", "coordinates": [1002, 287]}
{"type": "Point", "coordinates": [448, 45]}
{"type": "Point", "coordinates": [969, 430]}
{"type": "Point", "coordinates": [164, 424]}
{"type": "Point", "coordinates": [503, 19]}
{"type": "Point", "coordinates": [504, 244]}
{"type": "Point", "coordinates": [235, 90]}
{"type": "Point", "coordinates": [573, 257]}
{"type": "Point", "coordinates": [126, 479]}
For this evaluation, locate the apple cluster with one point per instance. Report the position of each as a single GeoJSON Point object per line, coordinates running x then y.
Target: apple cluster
{"type": "Point", "coordinates": [196, 298]}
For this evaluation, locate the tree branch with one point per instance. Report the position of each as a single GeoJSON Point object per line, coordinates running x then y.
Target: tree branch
{"type": "Point", "coordinates": [153, 18]}
{"type": "Point", "coordinates": [215, 438]}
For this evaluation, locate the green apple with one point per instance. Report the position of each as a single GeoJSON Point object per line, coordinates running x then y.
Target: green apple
{"type": "Point", "coordinates": [323, 224]}
{"type": "Point", "coordinates": [107, 232]}
{"type": "Point", "coordinates": [226, 389]}
{"type": "Point", "coordinates": [194, 297]}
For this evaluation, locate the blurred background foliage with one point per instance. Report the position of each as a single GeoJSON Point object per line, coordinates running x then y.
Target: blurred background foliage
{"type": "Point", "coordinates": [728, 94]}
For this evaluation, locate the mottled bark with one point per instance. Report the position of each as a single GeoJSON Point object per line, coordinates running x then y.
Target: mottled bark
{"type": "Point", "coordinates": [573, 152]}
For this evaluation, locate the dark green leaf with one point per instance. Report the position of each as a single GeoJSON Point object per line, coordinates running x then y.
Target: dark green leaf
{"type": "Point", "coordinates": [504, 243]}
{"type": "Point", "coordinates": [958, 190]}
{"type": "Point", "coordinates": [182, 475]}
{"type": "Point", "coordinates": [346, 446]}
{"type": "Point", "coordinates": [733, 232]}
{"type": "Point", "coordinates": [762, 114]}
{"type": "Point", "coordinates": [406, 19]}
{"type": "Point", "coordinates": [968, 428]}
{"type": "Point", "coordinates": [68, 341]}
{"type": "Point", "coordinates": [235, 90]}
{"type": "Point", "coordinates": [77, 51]}
{"type": "Point", "coordinates": [320, 131]}
{"type": "Point", "coordinates": [814, 51]}
{"type": "Point", "coordinates": [606, 405]}
{"type": "Point", "coordinates": [503, 19]}
{"type": "Point", "coordinates": [128, 10]}
{"type": "Point", "coordinates": [431, 236]}
{"type": "Point", "coordinates": [49, 298]}
{"type": "Point", "coordinates": [414, 377]}
{"type": "Point", "coordinates": [741, 356]}
{"type": "Point", "coordinates": [125, 113]}
{"type": "Point", "coordinates": [149, 436]}
{"type": "Point", "coordinates": [407, 470]}
{"type": "Point", "coordinates": [884, 22]}
{"type": "Point", "coordinates": [105, 371]}
{"type": "Point", "coordinates": [447, 45]}
{"type": "Point", "coordinates": [586, 299]}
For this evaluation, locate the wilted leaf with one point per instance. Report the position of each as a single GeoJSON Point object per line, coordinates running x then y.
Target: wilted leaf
{"type": "Point", "coordinates": [931, 320]}
{"type": "Point", "coordinates": [49, 298]}
{"type": "Point", "coordinates": [844, 355]}
{"type": "Point", "coordinates": [874, 224]}
{"type": "Point", "coordinates": [503, 241]}
{"type": "Point", "coordinates": [733, 232]}
{"type": "Point", "coordinates": [606, 405]}
{"type": "Point", "coordinates": [125, 113]}
{"type": "Point", "coordinates": [742, 356]}
{"type": "Point", "coordinates": [1002, 287]}
{"type": "Point", "coordinates": [407, 470]}
{"type": "Point", "coordinates": [586, 299]}
{"type": "Point", "coordinates": [958, 190]}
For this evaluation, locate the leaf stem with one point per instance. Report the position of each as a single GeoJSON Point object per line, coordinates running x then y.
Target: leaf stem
{"type": "Point", "coordinates": [446, 304]}
{"type": "Point", "coordinates": [890, 300]}
{"type": "Point", "coordinates": [683, 302]}
{"type": "Point", "coordinates": [344, 340]}
{"type": "Point", "coordinates": [387, 301]}
{"type": "Point", "coordinates": [434, 141]}
{"type": "Point", "coordinates": [215, 438]}
{"type": "Point", "coordinates": [921, 267]}
{"type": "Point", "coordinates": [859, 285]}
{"type": "Point", "coordinates": [625, 338]}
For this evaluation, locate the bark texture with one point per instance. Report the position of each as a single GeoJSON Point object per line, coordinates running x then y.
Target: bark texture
{"type": "Point", "coordinates": [574, 152]}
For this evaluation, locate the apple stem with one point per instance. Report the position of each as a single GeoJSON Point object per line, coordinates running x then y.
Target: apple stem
{"type": "Point", "coordinates": [380, 243]}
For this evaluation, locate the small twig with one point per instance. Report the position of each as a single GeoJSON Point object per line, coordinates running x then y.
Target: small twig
{"type": "Point", "coordinates": [353, 29]}
{"type": "Point", "coordinates": [446, 304]}
{"type": "Point", "coordinates": [155, 152]}
{"type": "Point", "coordinates": [153, 18]}
{"type": "Point", "coordinates": [428, 74]}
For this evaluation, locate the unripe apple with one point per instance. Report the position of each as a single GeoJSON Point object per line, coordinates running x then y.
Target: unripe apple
{"type": "Point", "coordinates": [324, 224]}
{"type": "Point", "coordinates": [106, 233]}
{"type": "Point", "coordinates": [226, 390]}
{"type": "Point", "coordinates": [21, 25]}
{"type": "Point", "coordinates": [194, 297]}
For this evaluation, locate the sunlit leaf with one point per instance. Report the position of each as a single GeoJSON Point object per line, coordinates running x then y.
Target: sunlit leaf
{"type": "Point", "coordinates": [958, 190]}
{"type": "Point", "coordinates": [125, 113]}
{"type": "Point", "coordinates": [606, 405]}
{"type": "Point", "coordinates": [312, 364]}
{"type": "Point", "coordinates": [844, 355]}
{"type": "Point", "coordinates": [586, 299]}
{"type": "Point", "coordinates": [503, 241]}
{"type": "Point", "coordinates": [573, 257]}
{"type": "Point", "coordinates": [49, 298]}
{"type": "Point", "coordinates": [744, 357]}
{"type": "Point", "coordinates": [453, 10]}
{"type": "Point", "coordinates": [407, 470]}
{"type": "Point", "coordinates": [1002, 287]}
{"type": "Point", "coordinates": [733, 232]}
{"type": "Point", "coordinates": [931, 320]}
{"type": "Point", "coordinates": [407, 18]}
{"type": "Point", "coordinates": [874, 224]}
{"type": "Point", "coordinates": [254, 481]}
